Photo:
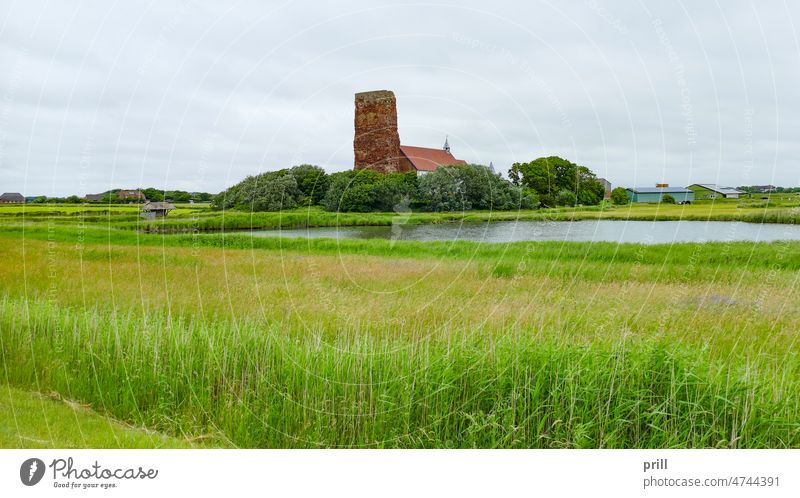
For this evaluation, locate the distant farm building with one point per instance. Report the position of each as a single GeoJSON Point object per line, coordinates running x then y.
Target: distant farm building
{"type": "Point", "coordinates": [707, 191]}
{"type": "Point", "coordinates": [131, 195]}
{"type": "Point", "coordinates": [376, 145]}
{"type": "Point", "coordinates": [12, 198]}
{"type": "Point", "coordinates": [607, 186]}
{"type": "Point", "coordinates": [94, 197]}
{"type": "Point", "coordinates": [656, 194]}
{"type": "Point", "coordinates": [153, 210]}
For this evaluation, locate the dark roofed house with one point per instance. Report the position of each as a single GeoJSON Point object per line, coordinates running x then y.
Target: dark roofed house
{"type": "Point", "coordinates": [94, 197]}
{"type": "Point", "coordinates": [131, 195]}
{"type": "Point", "coordinates": [152, 210]}
{"type": "Point", "coordinates": [12, 198]}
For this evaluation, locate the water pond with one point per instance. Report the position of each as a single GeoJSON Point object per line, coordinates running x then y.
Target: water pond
{"type": "Point", "coordinates": [644, 232]}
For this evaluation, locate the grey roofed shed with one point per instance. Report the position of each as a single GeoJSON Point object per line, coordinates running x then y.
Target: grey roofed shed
{"type": "Point", "coordinates": [656, 194]}
{"type": "Point", "coordinates": [659, 190]}
{"type": "Point", "coordinates": [152, 210]}
{"type": "Point", "coordinates": [721, 190]}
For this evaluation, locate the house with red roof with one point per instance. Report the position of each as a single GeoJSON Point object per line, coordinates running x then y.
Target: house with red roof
{"type": "Point", "coordinates": [424, 159]}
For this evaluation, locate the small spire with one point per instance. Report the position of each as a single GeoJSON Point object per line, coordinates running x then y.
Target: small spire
{"type": "Point", "coordinates": [446, 145]}
{"type": "Point", "coordinates": [491, 166]}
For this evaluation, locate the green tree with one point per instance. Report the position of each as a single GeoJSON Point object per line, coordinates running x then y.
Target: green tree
{"type": "Point", "coordinates": [588, 190]}
{"type": "Point", "coordinates": [528, 198]}
{"type": "Point", "coordinates": [270, 191]}
{"type": "Point", "coordinates": [366, 190]}
{"type": "Point", "coordinates": [177, 195]}
{"type": "Point", "coordinates": [73, 199]}
{"type": "Point", "coordinates": [549, 176]}
{"type": "Point", "coordinates": [566, 198]}
{"type": "Point", "coordinates": [312, 181]}
{"type": "Point", "coordinates": [441, 191]}
{"type": "Point", "coordinates": [281, 192]}
{"type": "Point", "coordinates": [471, 186]}
{"type": "Point", "coordinates": [153, 194]}
{"type": "Point", "coordinates": [619, 196]}
{"type": "Point", "coordinates": [395, 189]}
{"type": "Point", "coordinates": [668, 199]}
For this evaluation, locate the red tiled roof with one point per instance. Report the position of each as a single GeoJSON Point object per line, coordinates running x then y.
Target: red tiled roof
{"type": "Point", "coordinates": [425, 159]}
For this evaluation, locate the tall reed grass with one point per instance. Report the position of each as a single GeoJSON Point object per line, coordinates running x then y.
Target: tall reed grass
{"type": "Point", "coordinates": [258, 384]}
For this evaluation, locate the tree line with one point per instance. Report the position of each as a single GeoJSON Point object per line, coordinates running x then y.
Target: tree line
{"type": "Point", "coordinates": [150, 194]}
{"type": "Point", "coordinates": [544, 182]}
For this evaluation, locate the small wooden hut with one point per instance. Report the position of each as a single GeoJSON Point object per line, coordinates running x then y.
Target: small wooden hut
{"type": "Point", "coordinates": [153, 210]}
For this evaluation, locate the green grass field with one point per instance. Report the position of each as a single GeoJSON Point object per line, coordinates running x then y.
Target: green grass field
{"type": "Point", "coordinates": [229, 340]}
{"type": "Point", "coordinates": [32, 420]}
{"type": "Point", "coordinates": [784, 212]}
{"type": "Point", "coordinates": [781, 208]}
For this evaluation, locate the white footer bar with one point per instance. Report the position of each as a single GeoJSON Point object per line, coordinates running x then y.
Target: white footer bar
{"type": "Point", "coordinates": [401, 473]}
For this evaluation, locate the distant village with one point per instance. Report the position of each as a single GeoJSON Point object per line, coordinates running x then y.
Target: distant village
{"type": "Point", "coordinates": [377, 147]}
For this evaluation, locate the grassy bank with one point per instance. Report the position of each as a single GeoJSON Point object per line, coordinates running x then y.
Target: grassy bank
{"type": "Point", "coordinates": [262, 387]}
{"type": "Point", "coordinates": [268, 342]}
{"type": "Point", "coordinates": [701, 261]}
{"type": "Point", "coordinates": [194, 218]}
{"type": "Point", "coordinates": [33, 420]}
{"type": "Point", "coordinates": [315, 217]}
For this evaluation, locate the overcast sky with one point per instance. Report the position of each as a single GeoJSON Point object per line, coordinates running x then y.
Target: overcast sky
{"type": "Point", "coordinates": [195, 95]}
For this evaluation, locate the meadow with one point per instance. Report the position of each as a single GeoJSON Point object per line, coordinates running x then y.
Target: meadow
{"type": "Point", "coordinates": [188, 218]}
{"type": "Point", "coordinates": [228, 340]}
{"type": "Point", "coordinates": [783, 211]}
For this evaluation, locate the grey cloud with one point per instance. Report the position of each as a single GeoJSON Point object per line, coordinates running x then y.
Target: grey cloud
{"type": "Point", "coordinates": [198, 94]}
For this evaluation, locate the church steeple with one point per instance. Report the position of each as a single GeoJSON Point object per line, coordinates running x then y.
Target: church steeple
{"type": "Point", "coordinates": [446, 145]}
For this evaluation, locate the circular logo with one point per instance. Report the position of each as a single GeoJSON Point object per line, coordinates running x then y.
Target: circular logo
{"type": "Point", "coordinates": [31, 471]}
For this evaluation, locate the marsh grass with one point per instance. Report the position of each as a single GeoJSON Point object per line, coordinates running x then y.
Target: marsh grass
{"type": "Point", "coordinates": [671, 258]}
{"type": "Point", "coordinates": [263, 387]}
{"type": "Point", "coordinates": [33, 420]}
{"type": "Point", "coordinates": [270, 342]}
{"type": "Point", "coordinates": [199, 220]}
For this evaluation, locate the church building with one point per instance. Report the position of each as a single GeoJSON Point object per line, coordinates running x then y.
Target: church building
{"type": "Point", "coordinates": [377, 142]}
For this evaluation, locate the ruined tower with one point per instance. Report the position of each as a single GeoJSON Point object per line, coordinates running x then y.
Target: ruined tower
{"type": "Point", "coordinates": [376, 143]}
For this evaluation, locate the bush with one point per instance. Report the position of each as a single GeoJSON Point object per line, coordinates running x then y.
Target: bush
{"type": "Point", "coordinates": [279, 193]}
{"type": "Point", "coordinates": [619, 196]}
{"type": "Point", "coordinates": [471, 186]}
{"type": "Point", "coordinates": [441, 190]}
{"type": "Point", "coordinates": [566, 198]}
{"type": "Point", "coordinates": [528, 198]}
{"type": "Point", "coordinates": [366, 191]}
{"type": "Point", "coordinates": [550, 176]}
{"type": "Point", "coordinates": [668, 199]}
{"type": "Point", "coordinates": [449, 188]}
{"type": "Point", "coordinates": [312, 181]}
{"type": "Point", "coordinates": [271, 191]}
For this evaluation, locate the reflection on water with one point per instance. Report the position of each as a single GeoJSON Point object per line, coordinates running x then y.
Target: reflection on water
{"type": "Point", "coordinates": [644, 232]}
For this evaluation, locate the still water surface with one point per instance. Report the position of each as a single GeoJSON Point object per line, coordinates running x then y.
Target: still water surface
{"type": "Point", "coordinates": [645, 232]}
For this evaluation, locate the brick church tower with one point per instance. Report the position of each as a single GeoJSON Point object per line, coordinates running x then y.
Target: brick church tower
{"type": "Point", "coordinates": [377, 143]}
